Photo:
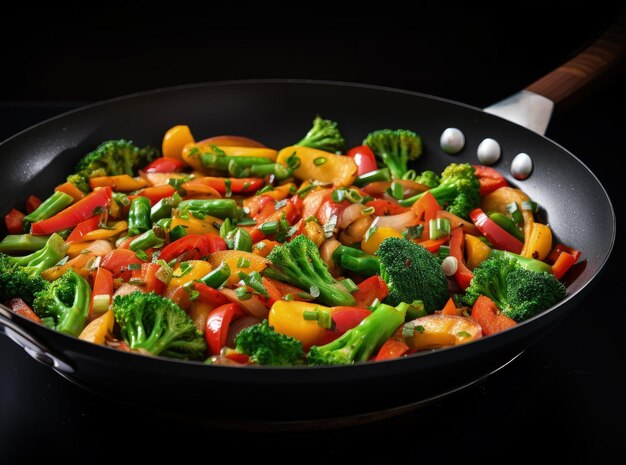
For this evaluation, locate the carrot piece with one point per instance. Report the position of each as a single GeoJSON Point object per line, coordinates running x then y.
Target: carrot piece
{"type": "Point", "coordinates": [21, 308]}
{"type": "Point", "coordinates": [70, 189]}
{"type": "Point", "coordinates": [485, 312]}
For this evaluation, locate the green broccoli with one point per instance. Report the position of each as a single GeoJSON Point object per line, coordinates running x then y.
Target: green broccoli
{"type": "Point", "coordinates": [428, 178]}
{"type": "Point", "coordinates": [111, 158]}
{"type": "Point", "coordinates": [299, 263]}
{"type": "Point", "coordinates": [267, 347]}
{"type": "Point", "coordinates": [20, 276]}
{"type": "Point", "coordinates": [412, 273]}
{"type": "Point", "coordinates": [157, 325]}
{"type": "Point", "coordinates": [395, 148]}
{"type": "Point", "coordinates": [518, 292]}
{"type": "Point", "coordinates": [66, 301]}
{"type": "Point", "coordinates": [360, 342]}
{"type": "Point", "coordinates": [459, 191]}
{"type": "Point", "coordinates": [324, 135]}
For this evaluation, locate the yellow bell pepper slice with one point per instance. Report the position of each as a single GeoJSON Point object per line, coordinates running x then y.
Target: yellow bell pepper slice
{"type": "Point", "coordinates": [119, 183]}
{"type": "Point", "coordinates": [175, 139]}
{"type": "Point", "coordinates": [319, 165]}
{"type": "Point", "coordinates": [237, 261]}
{"type": "Point", "coordinates": [192, 225]}
{"type": "Point", "coordinates": [476, 251]}
{"type": "Point", "coordinates": [371, 244]}
{"type": "Point", "coordinates": [194, 269]}
{"type": "Point", "coordinates": [540, 243]}
{"type": "Point", "coordinates": [105, 233]}
{"type": "Point", "coordinates": [287, 318]}
{"type": "Point", "coordinates": [97, 330]}
{"type": "Point", "coordinates": [443, 331]}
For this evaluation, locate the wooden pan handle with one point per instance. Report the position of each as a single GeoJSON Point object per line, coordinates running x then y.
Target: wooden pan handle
{"type": "Point", "coordinates": [572, 80]}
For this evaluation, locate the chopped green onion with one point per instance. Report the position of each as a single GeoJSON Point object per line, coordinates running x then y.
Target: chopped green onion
{"type": "Point", "coordinates": [227, 184]}
{"type": "Point", "coordinates": [243, 263]}
{"type": "Point", "coordinates": [439, 227]}
{"type": "Point", "coordinates": [190, 288]}
{"type": "Point", "coordinates": [242, 293]}
{"type": "Point", "coordinates": [419, 328]}
{"type": "Point", "coordinates": [374, 304]}
{"type": "Point", "coordinates": [322, 316]}
{"type": "Point", "coordinates": [368, 210]}
{"type": "Point", "coordinates": [142, 255]}
{"type": "Point", "coordinates": [408, 330]}
{"type": "Point", "coordinates": [134, 266]}
{"type": "Point", "coordinates": [101, 303]}
{"type": "Point", "coordinates": [312, 218]}
{"type": "Point", "coordinates": [246, 222]}
{"type": "Point", "coordinates": [513, 210]}
{"type": "Point", "coordinates": [530, 206]}
{"type": "Point", "coordinates": [444, 251]}
{"type": "Point", "coordinates": [416, 309]}
{"type": "Point", "coordinates": [371, 231]}
{"type": "Point", "coordinates": [260, 245]}
{"type": "Point", "coordinates": [338, 195]}
{"type": "Point", "coordinates": [311, 315]}
{"type": "Point", "coordinates": [177, 232]}
{"type": "Point", "coordinates": [293, 161]}
{"type": "Point", "coordinates": [288, 297]}
{"type": "Point", "coordinates": [354, 196]}
{"type": "Point", "coordinates": [217, 277]}
{"type": "Point", "coordinates": [314, 291]}
{"type": "Point", "coordinates": [121, 199]}
{"type": "Point", "coordinates": [254, 281]}
{"type": "Point", "coordinates": [269, 228]}
{"type": "Point", "coordinates": [319, 161]}
{"type": "Point", "coordinates": [410, 175]}
{"type": "Point", "coordinates": [280, 204]}
{"type": "Point", "coordinates": [164, 273]}
{"type": "Point", "coordinates": [463, 334]}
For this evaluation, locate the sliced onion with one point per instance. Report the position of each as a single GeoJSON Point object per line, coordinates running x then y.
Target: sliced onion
{"type": "Point", "coordinates": [350, 215]}
{"type": "Point", "coordinates": [409, 188]}
{"type": "Point", "coordinates": [160, 179]}
{"type": "Point", "coordinates": [356, 231]}
{"type": "Point", "coordinates": [376, 188]}
{"type": "Point", "coordinates": [398, 222]}
{"type": "Point", "coordinates": [327, 249]}
{"type": "Point", "coordinates": [100, 247]}
{"type": "Point", "coordinates": [253, 305]}
{"type": "Point", "coordinates": [238, 325]}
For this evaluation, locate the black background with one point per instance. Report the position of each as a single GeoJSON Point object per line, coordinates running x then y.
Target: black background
{"type": "Point", "coordinates": [562, 400]}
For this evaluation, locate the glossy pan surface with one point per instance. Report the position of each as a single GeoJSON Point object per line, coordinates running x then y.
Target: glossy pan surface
{"type": "Point", "coordinates": [573, 202]}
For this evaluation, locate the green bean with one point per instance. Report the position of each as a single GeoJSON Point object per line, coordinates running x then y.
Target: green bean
{"type": "Point", "coordinates": [218, 276]}
{"type": "Point", "coordinates": [163, 208]}
{"type": "Point", "coordinates": [154, 237]}
{"type": "Point", "coordinates": [50, 207]}
{"type": "Point", "coordinates": [373, 176]}
{"type": "Point", "coordinates": [220, 208]}
{"type": "Point", "coordinates": [242, 240]}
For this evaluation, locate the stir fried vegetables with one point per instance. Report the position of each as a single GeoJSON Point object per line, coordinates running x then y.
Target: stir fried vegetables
{"type": "Point", "coordinates": [226, 251]}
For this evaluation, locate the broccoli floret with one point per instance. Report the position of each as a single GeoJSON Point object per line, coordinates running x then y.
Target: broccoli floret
{"type": "Point", "coordinates": [299, 263]}
{"type": "Point", "coordinates": [157, 325]}
{"type": "Point", "coordinates": [66, 300]}
{"type": "Point", "coordinates": [412, 273]}
{"type": "Point", "coordinates": [429, 178]}
{"type": "Point", "coordinates": [20, 276]}
{"type": "Point", "coordinates": [519, 293]}
{"type": "Point", "coordinates": [111, 158]}
{"type": "Point", "coordinates": [395, 148]}
{"type": "Point", "coordinates": [324, 135]}
{"type": "Point", "coordinates": [267, 347]}
{"type": "Point", "coordinates": [360, 342]}
{"type": "Point", "coordinates": [459, 191]}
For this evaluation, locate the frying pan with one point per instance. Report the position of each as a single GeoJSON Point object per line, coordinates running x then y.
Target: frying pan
{"type": "Point", "coordinates": [573, 202]}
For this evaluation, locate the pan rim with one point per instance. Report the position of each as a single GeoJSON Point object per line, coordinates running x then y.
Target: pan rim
{"type": "Point", "coordinates": [331, 83]}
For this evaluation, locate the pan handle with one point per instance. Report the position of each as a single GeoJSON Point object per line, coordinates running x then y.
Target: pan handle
{"type": "Point", "coordinates": [31, 345]}
{"type": "Point", "coordinates": [572, 80]}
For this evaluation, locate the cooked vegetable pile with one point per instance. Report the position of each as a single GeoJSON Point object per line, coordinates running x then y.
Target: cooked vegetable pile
{"type": "Point", "coordinates": [226, 251]}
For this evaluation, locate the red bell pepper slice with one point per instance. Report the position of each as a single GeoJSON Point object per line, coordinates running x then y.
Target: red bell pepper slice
{"type": "Point", "coordinates": [83, 228]}
{"type": "Point", "coordinates": [147, 277]}
{"type": "Point", "coordinates": [277, 290]}
{"type": "Point", "coordinates": [237, 185]}
{"type": "Point", "coordinates": [486, 314]}
{"type": "Point", "coordinates": [346, 318]}
{"type": "Point", "coordinates": [289, 211]}
{"type": "Point", "coordinates": [258, 204]}
{"type": "Point", "coordinates": [154, 194]}
{"type": "Point", "coordinates": [369, 290]}
{"type": "Point", "coordinates": [193, 247]}
{"type": "Point", "coordinates": [218, 324]}
{"type": "Point", "coordinates": [463, 275]}
{"type": "Point", "coordinates": [386, 208]}
{"type": "Point", "coordinates": [433, 245]}
{"type": "Point", "coordinates": [392, 348]}
{"type": "Point", "coordinates": [556, 252]}
{"type": "Point", "coordinates": [489, 179]}
{"type": "Point", "coordinates": [426, 207]}
{"type": "Point", "coordinates": [494, 233]}
{"type": "Point", "coordinates": [75, 213]}
{"type": "Point", "coordinates": [102, 285]}
{"type": "Point", "coordinates": [165, 165]}
{"type": "Point", "coordinates": [236, 357]}
{"type": "Point", "coordinates": [32, 204]}
{"type": "Point", "coordinates": [117, 262]}
{"type": "Point", "coordinates": [210, 296]}
{"type": "Point", "coordinates": [562, 264]}
{"type": "Point", "coordinates": [364, 158]}
{"type": "Point", "coordinates": [14, 221]}
{"type": "Point", "coordinates": [21, 308]}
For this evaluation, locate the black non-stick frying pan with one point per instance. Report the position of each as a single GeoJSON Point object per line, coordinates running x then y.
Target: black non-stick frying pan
{"type": "Point", "coordinates": [573, 202]}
